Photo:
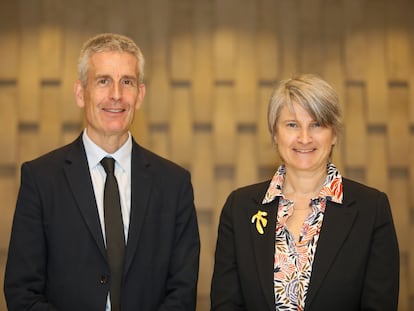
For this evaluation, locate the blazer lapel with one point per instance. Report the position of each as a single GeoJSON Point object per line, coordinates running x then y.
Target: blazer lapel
{"type": "Point", "coordinates": [141, 184]}
{"type": "Point", "coordinates": [80, 183]}
{"type": "Point", "coordinates": [337, 223]}
{"type": "Point", "coordinates": [264, 246]}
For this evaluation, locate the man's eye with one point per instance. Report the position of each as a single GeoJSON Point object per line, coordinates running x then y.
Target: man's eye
{"type": "Point", "coordinates": [103, 81]}
{"type": "Point", "coordinates": [128, 82]}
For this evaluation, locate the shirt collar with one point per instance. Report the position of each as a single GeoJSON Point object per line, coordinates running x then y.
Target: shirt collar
{"type": "Point", "coordinates": [331, 189]}
{"type": "Point", "coordinates": [94, 153]}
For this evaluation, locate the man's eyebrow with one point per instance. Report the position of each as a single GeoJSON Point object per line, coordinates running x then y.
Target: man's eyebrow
{"type": "Point", "coordinates": [129, 77]}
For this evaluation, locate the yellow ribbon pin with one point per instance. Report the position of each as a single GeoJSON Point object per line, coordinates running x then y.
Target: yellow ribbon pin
{"type": "Point", "coordinates": [261, 222]}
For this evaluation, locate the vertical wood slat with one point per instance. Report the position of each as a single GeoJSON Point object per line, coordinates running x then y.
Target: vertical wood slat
{"type": "Point", "coordinates": [225, 40]}
{"type": "Point", "coordinates": [289, 37]}
{"type": "Point", "coordinates": [140, 126]}
{"type": "Point", "coordinates": [398, 195]}
{"type": "Point", "coordinates": [355, 40]}
{"type": "Point", "coordinates": [8, 124]}
{"type": "Point", "coordinates": [398, 126]}
{"type": "Point", "coordinates": [136, 28]}
{"type": "Point", "coordinates": [29, 71]}
{"type": "Point", "coordinates": [202, 170]}
{"type": "Point", "coordinates": [374, 57]}
{"type": "Point", "coordinates": [265, 150]}
{"type": "Point", "coordinates": [181, 41]}
{"type": "Point", "coordinates": [311, 36]}
{"type": "Point", "coordinates": [159, 107]}
{"type": "Point", "coordinates": [160, 142]}
{"type": "Point", "coordinates": [2, 268]}
{"type": "Point", "coordinates": [72, 40]}
{"type": "Point", "coordinates": [8, 197]}
{"type": "Point", "coordinates": [332, 46]}
{"type": "Point", "coordinates": [115, 16]}
{"type": "Point", "coordinates": [50, 135]}
{"type": "Point", "coordinates": [50, 45]}
{"type": "Point", "coordinates": [181, 126]}
{"type": "Point", "coordinates": [332, 67]}
{"type": "Point", "coordinates": [355, 137]}
{"type": "Point", "coordinates": [376, 163]}
{"type": "Point", "coordinates": [202, 78]}
{"type": "Point", "coordinates": [268, 41]}
{"type": "Point", "coordinates": [411, 208]}
{"type": "Point", "coordinates": [398, 39]}
{"type": "Point", "coordinates": [9, 40]}
{"type": "Point", "coordinates": [246, 159]}
{"type": "Point", "coordinates": [245, 66]}
{"type": "Point", "coordinates": [224, 125]}
{"type": "Point", "coordinates": [206, 258]}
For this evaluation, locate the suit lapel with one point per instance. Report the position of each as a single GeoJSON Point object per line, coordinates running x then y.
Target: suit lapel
{"type": "Point", "coordinates": [141, 184]}
{"type": "Point", "coordinates": [264, 246]}
{"type": "Point", "coordinates": [80, 183]}
{"type": "Point", "coordinates": [337, 223]}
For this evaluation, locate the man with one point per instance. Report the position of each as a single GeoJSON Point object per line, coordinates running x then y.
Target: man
{"type": "Point", "coordinates": [62, 253]}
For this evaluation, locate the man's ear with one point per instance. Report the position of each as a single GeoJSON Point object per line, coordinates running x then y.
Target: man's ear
{"type": "Point", "coordinates": [78, 91]}
{"type": "Point", "coordinates": [141, 95]}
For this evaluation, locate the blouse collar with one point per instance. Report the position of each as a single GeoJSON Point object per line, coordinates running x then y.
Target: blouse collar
{"type": "Point", "coordinates": [331, 189]}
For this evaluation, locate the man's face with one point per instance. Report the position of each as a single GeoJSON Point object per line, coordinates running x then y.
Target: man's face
{"type": "Point", "coordinates": [111, 95]}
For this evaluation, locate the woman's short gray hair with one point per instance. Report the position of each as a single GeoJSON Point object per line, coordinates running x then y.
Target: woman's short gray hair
{"type": "Point", "coordinates": [311, 92]}
{"type": "Point", "coordinates": [108, 42]}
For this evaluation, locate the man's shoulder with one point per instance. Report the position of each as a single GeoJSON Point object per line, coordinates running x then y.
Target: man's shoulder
{"type": "Point", "coordinates": [56, 155]}
{"type": "Point", "coordinates": [155, 161]}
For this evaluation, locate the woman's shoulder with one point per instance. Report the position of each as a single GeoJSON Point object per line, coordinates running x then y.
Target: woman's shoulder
{"type": "Point", "coordinates": [352, 185]}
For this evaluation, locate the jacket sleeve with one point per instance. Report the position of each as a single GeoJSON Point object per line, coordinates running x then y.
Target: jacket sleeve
{"type": "Point", "coordinates": [381, 284]}
{"type": "Point", "coordinates": [25, 276]}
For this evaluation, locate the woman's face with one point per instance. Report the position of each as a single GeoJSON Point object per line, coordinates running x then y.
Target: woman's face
{"type": "Point", "coordinates": [303, 144]}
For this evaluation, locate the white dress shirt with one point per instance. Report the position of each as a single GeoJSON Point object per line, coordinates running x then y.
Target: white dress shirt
{"type": "Point", "coordinates": [122, 158]}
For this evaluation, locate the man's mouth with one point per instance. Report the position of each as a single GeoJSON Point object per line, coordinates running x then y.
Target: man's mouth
{"type": "Point", "coordinates": [113, 110]}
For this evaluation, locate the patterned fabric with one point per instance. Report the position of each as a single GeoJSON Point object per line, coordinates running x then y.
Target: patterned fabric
{"type": "Point", "coordinates": [293, 260]}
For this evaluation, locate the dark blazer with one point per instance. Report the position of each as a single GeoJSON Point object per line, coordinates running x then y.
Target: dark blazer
{"type": "Point", "coordinates": [356, 265]}
{"type": "Point", "coordinates": [57, 258]}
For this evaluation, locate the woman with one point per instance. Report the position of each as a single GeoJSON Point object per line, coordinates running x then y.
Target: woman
{"type": "Point", "coordinates": [309, 239]}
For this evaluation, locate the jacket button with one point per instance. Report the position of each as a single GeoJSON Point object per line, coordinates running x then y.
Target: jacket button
{"type": "Point", "coordinates": [104, 279]}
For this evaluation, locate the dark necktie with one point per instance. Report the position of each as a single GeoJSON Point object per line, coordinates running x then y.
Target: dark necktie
{"type": "Point", "coordinates": [114, 230]}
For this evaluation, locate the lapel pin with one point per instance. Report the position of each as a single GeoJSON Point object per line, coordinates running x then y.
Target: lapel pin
{"type": "Point", "coordinates": [261, 221]}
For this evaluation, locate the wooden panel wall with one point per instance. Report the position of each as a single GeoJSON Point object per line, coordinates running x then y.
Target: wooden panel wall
{"type": "Point", "coordinates": [211, 66]}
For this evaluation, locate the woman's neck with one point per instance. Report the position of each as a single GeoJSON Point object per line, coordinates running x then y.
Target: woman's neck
{"type": "Point", "coordinates": [303, 184]}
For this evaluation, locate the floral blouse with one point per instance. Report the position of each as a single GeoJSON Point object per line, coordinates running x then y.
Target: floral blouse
{"type": "Point", "coordinates": [293, 260]}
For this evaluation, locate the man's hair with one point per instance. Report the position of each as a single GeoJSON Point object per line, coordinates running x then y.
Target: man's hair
{"type": "Point", "coordinates": [108, 42]}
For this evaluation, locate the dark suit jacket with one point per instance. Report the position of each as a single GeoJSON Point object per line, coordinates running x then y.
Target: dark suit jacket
{"type": "Point", "coordinates": [356, 265]}
{"type": "Point", "coordinates": [57, 258]}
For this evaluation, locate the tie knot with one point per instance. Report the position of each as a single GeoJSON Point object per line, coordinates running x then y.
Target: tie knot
{"type": "Point", "coordinates": [108, 164]}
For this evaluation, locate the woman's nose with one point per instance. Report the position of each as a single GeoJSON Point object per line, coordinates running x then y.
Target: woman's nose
{"type": "Point", "coordinates": [304, 135]}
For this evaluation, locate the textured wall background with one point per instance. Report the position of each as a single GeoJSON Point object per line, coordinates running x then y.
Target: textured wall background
{"type": "Point", "coordinates": [211, 66]}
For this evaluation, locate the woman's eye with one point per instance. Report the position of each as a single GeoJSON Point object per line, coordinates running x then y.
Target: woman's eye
{"type": "Point", "coordinates": [316, 124]}
{"type": "Point", "coordinates": [291, 124]}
